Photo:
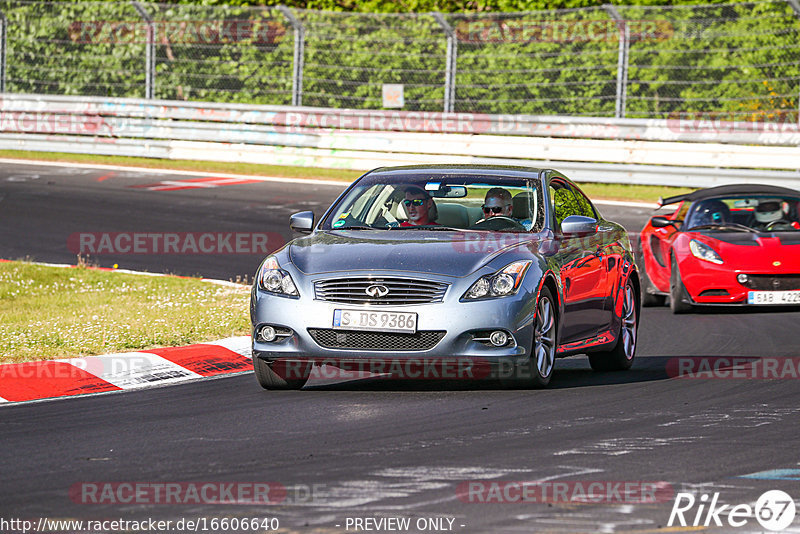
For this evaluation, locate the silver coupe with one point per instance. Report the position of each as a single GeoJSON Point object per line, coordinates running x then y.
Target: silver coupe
{"type": "Point", "coordinates": [447, 272]}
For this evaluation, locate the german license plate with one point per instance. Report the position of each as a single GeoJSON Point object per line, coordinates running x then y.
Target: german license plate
{"type": "Point", "coordinates": [773, 297]}
{"type": "Point", "coordinates": [376, 321]}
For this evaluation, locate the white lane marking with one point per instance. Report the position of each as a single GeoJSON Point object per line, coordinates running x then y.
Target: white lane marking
{"type": "Point", "coordinates": [3, 400]}
{"type": "Point", "coordinates": [576, 471]}
{"type": "Point", "coordinates": [147, 170]}
{"type": "Point", "coordinates": [627, 204]}
{"type": "Point", "coordinates": [621, 446]}
{"type": "Point", "coordinates": [133, 370]}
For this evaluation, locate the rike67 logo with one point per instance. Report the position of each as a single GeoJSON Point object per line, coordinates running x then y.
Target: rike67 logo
{"type": "Point", "coordinates": [774, 510]}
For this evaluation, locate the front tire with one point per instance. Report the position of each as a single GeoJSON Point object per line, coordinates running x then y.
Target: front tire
{"type": "Point", "coordinates": [678, 296]}
{"type": "Point", "coordinates": [281, 375]}
{"type": "Point", "coordinates": [620, 358]}
{"type": "Point", "coordinates": [537, 371]}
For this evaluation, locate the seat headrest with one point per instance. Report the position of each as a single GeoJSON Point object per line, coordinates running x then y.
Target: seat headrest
{"type": "Point", "coordinates": [521, 205]}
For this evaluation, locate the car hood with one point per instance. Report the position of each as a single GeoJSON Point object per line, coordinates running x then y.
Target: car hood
{"type": "Point", "coordinates": [755, 250]}
{"type": "Point", "coordinates": [440, 252]}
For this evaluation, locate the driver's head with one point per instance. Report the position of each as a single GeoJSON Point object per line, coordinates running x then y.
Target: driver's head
{"type": "Point", "coordinates": [419, 206]}
{"type": "Point", "coordinates": [769, 210]}
{"type": "Point", "coordinates": [497, 202]}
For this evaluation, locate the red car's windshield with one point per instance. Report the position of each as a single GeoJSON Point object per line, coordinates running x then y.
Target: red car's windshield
{"type": "Point", "coordinates": [747, 213]}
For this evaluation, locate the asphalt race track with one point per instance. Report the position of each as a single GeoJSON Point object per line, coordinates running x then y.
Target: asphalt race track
{"type": "Point", "coordinates": [377, 449]}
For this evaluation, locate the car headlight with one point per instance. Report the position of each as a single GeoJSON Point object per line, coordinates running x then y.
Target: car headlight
{"type": "Point", "coordinates": [275, 280]}
{"type": "Point", "coordinates": [503, 283]}
{"type": "Point", "coordinates": [702, 251]}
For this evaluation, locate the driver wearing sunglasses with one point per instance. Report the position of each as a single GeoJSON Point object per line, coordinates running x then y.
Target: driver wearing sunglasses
{"type": "Point", "coordinates": [497, 202]}
{"type": "Point", "coordinates": [419, 206]}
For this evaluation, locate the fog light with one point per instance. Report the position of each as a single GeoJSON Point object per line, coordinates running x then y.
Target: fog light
{"type": "Point", "coordinates": [498, 338]}
{"type": "Point", "coordinates": [267, 333]}
{"type": "Point", "coordinates": [742, 278]}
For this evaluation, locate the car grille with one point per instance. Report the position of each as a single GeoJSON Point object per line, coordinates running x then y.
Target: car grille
{"type": "Point", "coordinates": [401, 290]}
{"type": "Point", "coordinates": [339, 339]}
{"type": "Point", "coordinates": [773, 282]}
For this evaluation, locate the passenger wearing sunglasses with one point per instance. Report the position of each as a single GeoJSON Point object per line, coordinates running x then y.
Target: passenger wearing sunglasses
{"type": "Point", "coordinates": [420, 207]}
{"type": "Point", "coordinates": [497, 202]}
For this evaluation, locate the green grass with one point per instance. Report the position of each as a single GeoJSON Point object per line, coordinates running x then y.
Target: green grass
{"type": "Point", "coordinates": [637, 193]}
{"type": "Point", "coordinates": [53, 312]}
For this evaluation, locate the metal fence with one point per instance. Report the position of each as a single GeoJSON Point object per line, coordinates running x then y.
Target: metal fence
{"type": "Point", "coordinates": [738, 61]}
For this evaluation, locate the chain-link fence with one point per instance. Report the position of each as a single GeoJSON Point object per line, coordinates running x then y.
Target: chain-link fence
{"type": "Point", "coordinates": [738, 61]}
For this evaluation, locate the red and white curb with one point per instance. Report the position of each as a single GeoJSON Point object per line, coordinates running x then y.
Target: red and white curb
{"type": "Point", "coordinates": [48, 379]}
{"type": "Point", "coordinates": [29, 381]}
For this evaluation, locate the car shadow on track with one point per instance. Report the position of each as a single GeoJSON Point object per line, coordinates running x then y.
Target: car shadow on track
{"type": "Point", "coordinates": [573, 372]}
{"type": "Point", "coordinates": [721, 309]}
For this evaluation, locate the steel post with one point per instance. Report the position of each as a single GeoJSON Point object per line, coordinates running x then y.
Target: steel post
{"type": "Point", "coordinates": [622, 60]}
{"type": "Point", "coordinates": [150, 51]}
{"type": "Point", "coordinates": [450, 63]}
{"type": "Point", "coordinates": [299, 55]}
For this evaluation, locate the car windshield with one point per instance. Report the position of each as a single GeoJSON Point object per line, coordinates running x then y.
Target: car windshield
{"type": "Point", "coordinates": [754, 213]}
{"type": "Point", "coordinates": [439, 202]}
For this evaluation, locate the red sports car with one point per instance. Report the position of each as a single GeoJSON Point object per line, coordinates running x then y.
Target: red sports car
{"type": "Point", "coordinates": [732, 244]}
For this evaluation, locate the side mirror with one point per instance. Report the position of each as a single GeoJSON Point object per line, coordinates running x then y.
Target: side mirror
{"type": "Point", "coordinates": [578, 225]}
{"type": "Point", "coordinates": [302, 222]}
{"type": "Point", "coordinates": [659, 221]}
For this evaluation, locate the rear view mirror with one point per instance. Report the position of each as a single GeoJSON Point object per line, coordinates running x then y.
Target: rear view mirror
{"type": "Point", "coordinates": [440, 190]}
{"type": "Point", "coordinates": [302, 222]}
{"type": "Point", "coordinates": [660, 221]}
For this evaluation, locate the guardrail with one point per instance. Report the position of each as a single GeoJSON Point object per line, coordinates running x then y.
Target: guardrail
{"type": "Point", "coordinates": [642, 151]}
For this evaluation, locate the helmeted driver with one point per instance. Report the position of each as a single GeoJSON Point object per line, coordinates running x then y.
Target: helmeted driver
{"type": "Point", "coordinates": [768, 211]}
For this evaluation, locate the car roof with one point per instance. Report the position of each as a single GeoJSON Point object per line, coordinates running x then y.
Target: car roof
{"type": "Point", "coordinates": [733, 189]}
{"type": "Point", "coordinates": [460, 169]}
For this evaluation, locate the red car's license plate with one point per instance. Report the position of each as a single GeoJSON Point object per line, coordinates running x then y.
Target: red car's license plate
{"type": "Point", "coordinates": [773, 297]}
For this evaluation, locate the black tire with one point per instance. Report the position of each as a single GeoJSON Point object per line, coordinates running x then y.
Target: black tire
{"type": "Point", "coordinates": [649, 298]}
{"type": "Point", "coordinates": [678, 296]}
{"type": "Point", "coordinates": [620, 358]}
{"type": "Point", "coordinates": [280, 375]}
{"type": "Point", "coordinates": [538, 370]}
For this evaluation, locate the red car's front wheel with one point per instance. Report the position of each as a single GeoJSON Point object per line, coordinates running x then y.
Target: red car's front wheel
{"type": "Point", "coordinates": [678, 296]}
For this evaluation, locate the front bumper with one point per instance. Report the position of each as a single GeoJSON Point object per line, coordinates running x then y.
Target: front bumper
{"type": "Point", "coordinates": [457, 323]}
{"type": "Point", "coordinates": [708, 283]}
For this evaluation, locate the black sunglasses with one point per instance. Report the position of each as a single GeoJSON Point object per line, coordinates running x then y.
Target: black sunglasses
{"type": "Point", "coordinates": [414, 202]}
{"type": "Point", "coordinates": [493, 209]}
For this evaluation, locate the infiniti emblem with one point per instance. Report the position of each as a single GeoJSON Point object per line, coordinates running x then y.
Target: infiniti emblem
{"type": "Point", "coordinates": [377, 291]}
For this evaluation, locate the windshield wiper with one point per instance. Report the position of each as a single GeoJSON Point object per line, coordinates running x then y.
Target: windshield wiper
{"type": "Point", "coordinates": [355, 227]}
{"type": "Point", "coordinates": [435, 228]}
{"type": "Point", "coordinates": [732, 226]}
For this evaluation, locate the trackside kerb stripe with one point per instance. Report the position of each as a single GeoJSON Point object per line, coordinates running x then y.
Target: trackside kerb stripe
{"type": "Point", "coordinates": [205, 360]}
{"type": "Point", "coordinates": [42, 380]}
{"type": "Point", "coordinates": [39, 380]}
